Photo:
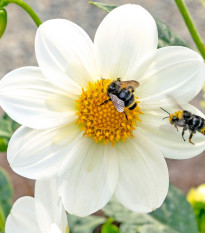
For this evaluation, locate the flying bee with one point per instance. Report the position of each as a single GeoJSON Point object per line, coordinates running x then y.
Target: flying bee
{"type": "Point", "coordinates": [121, 94]}
{"type": "Point", "coordinates": [188, 121]}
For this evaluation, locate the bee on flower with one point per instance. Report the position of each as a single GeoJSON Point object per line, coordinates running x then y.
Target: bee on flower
{"type": "Point", "coordinates": [95, 150]}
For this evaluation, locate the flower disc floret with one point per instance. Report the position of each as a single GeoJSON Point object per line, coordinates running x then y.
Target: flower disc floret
{"type": "Point", "coordinates": [102, 121]}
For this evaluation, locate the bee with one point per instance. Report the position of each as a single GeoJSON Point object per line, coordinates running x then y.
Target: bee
{"type": "Point", "coordinates": [121, 94]}
{"type": "Point", "coordinates": [188, 121]}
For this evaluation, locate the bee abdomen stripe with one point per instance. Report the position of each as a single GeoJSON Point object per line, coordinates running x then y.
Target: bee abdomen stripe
{"type": "Point", "coordinates": [197, 122]}
{"type": "Point", "coordinates": [201, 123]}
{"type": "Point", "coordinates": [133, 106]}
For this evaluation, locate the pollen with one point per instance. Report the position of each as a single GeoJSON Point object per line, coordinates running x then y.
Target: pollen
{"type": "Point", "coordinates": [101, 121]}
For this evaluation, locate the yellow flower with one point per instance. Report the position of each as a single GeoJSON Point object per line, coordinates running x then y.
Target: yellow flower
{"type": "Point", "coordinates": [197, 195]}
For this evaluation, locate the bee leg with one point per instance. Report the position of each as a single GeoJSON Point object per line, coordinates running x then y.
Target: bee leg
{"type": "Point", "coordinates": [176, 127]}
{"type": "Point", "coordinates": [106, 101]}
{"type": "Point", "coordinates": [183, 131]}
{"type": "Point", "coordinates": [190, 137]}
{"type": "Point", "coordinates": [102, 79]}
{"type": "Point", "coordinates": [126, 115]}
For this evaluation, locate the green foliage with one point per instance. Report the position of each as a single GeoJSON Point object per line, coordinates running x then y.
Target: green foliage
{"type": "Point", "coordinates": [7, 128]}
{"type": "Point", "coordinates": [203, 2]}
{"type": "Point", "coordinates": [84, 225]}
{"type": "Point", "coordinates": [200, 218]}
{"type": "Point", "coordinates": [103, 6]}
{"type": "Point", "coordinates": [199, 210]}
{"type": "Point", "coordinates": [109, 227]}
{"type": "Point", "coordinates": [3, 144]}
{"type": "Point", "coordinates": [6, 193]}
{"type": "Point", "coordinates": [177, 212]}
{"type": "Point", "coordinates": [3, 21]}
{"type": "Point", "coordinates": [174, 216]}
{"type": "Point", "coordinates": [166, 36]}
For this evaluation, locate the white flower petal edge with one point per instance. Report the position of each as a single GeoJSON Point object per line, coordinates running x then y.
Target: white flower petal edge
{"type": "Point", "coordinates": [37, 215]}
{"type": "Point", "coordinates": [46, 192]}
{"type": "Point", "coordinates": [143, 179]}
{"type": "Point", "coordinates": [23, 219]}
{"type": "Point", "coordinates": [40, 154]}
{"type": "Point", "coordinates": [176, 72]}
{"type": "Point", "coordinates": [65, 54]}
{"type": "Point", "coordinates": [91, 179]}
{"type": "Point", "coordinates": [31, 100]}
{"type": "Point", "coordinates": [125, 35]}
{"type": "Point", "coordinates": [167, 138]}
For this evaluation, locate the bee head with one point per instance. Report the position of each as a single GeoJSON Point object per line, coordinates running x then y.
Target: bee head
{"type": "Point", "coordinates": [113, 88]}
{"type": "Point", "coordinates": [173, 119]}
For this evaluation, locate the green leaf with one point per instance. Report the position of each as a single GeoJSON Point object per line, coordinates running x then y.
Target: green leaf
{"type": "Point", "coordinates": [7, 128]}
{"type": "Point", "coordinates": [3, 21]}
{"type": "Point", "coordinates": [84, 225]}
{"type": "Point", "coordinates": [3, 144]}
{"type": "Point", "coordinates": [2, 220]}
{"type": "Point", "coordinates": [177, 212]}
{"type": "Point", "coordinates": [149, 228]}
{"type": "Point", "coordinates": [108, 227]}
{"type": "Point", "coordinates": [166, 36]}
{"type": "Point", "coordinates": [14, 124]}
{"type": "Point", "coordinates": [6, 193]}
{"type": "Point", "coordinates": [174, 216]}
{"type": "Point", "coordinates": [103, 6]}
{"type": "Point", "coordinates": [200, 218]}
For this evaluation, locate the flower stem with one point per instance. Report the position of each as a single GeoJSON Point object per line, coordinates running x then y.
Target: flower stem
{"type": "Point", "coordinates": [26, 7]}
{"type": "Point", "coordinates": [191, 26]}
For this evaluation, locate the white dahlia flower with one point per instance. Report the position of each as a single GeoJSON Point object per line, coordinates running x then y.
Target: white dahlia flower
{"type": "Point", "coordinates": [42, 214]}
{"type": "Point", "coordinates": [94, 150]}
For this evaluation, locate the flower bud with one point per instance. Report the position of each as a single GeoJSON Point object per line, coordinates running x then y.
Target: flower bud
{"type": "Point", "coordinates": [3, 21]}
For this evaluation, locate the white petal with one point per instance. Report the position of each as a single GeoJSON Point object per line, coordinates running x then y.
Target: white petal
{"type": "Point", "coordinates": [143, 180]}
{"type": "Point", "coordinates": [46, 192]}
{"type": "Point", "coordinates": [39, 154]}
{"type": "Point", "coordinates": [172, 72]}
{"type": "Point", "coordinates": [27, 215]}
{"type": "Point", "coordinates": [90, 183]}
{"type": "Point", "coordinates": [55, 229]}
{"type": "Point", "coordinates": [126, 34]}
{"type": "Point", "coordinates": [65, 54]}
{"type": "Point", "coordinates": [166, 136]}
{"type": "Point", "coordinates": [30, 99]}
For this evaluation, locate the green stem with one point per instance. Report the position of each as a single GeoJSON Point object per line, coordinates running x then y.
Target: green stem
{"type": "Point", "coordinates": [26, 7]}
{"type": "Point", "coordinates": [2, 220]}
{"type": "Point", "coordinates": [191, 26]}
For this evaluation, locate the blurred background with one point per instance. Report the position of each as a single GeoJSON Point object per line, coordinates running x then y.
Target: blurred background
{"type": "Point", "coordinates": [17, 50]}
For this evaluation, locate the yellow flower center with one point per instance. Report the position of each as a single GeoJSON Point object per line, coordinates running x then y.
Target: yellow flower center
{"type": "Point", "coordinates": [103, 122]}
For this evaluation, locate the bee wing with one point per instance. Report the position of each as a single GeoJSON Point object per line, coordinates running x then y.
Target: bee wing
{"type": "Point", "coordinates": [129, 83]}
{"type": "Point", "coordinates": [118, 103]}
